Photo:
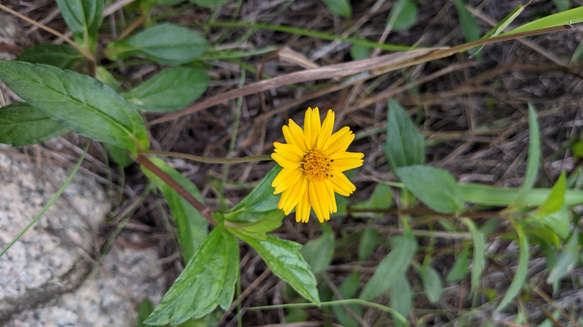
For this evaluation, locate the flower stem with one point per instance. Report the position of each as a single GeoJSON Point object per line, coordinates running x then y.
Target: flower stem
{"type": "Point", "coordinates": [208, 160]}
{"type": "Point", "coordinates": [206, 212]}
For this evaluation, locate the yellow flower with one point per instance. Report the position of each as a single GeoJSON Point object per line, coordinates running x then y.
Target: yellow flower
{"type": "Point", "coordinates": [313, 161]}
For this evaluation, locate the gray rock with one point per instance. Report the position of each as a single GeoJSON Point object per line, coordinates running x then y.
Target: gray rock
{"type": "Point", "coordinates": [45, 278]}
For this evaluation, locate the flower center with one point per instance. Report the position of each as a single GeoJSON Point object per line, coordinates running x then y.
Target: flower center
{"type": "Point", "coordinates": [317, 165]}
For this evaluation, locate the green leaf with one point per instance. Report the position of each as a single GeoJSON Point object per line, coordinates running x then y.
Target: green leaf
{"type": "Point", "coordinates": [169, 90]}
{"type": "Point", "coordinates": [84, 18]}
{"type": "Point", "coordinates": [77, 101]}
{"type": "Point", "coordinates": [119, 155]}
{"type": "Point", "coordinates": [284, 259]}
{"type": "Point", "coordinates": [210, 3]}
{"type": "Point", "coordinates": [257, 229]}
{"type": "Point", "coordinates": [318, 253]}
{"type": "Point", "coordinates": [107, 78]}
{"type": "Point", "coordinates": [479, 252]}
{"type": "Point", "coordinates": [145, 309]}
{"type": "Point", "coordinates": [404, 145]}
{"type": "Point", "coordinates": [359, 52]}
{"type": "Point", "coordinates": [392, 266]}
{"type": "Point", "coordinates": [432, 285]}
{"type": "Point", "coordinates": [533, 150]}
{"type": "Point", "coordinates": [461, 266]}
{"type": "Point", "coordinates": [467, 21]}
{"type": "Point", "coordinates": [403, 15]}
{"type": "Point", "coordinates": [367, 244]}
{"type": "Point", "coordinates": [559, 222]}
{"type": "Point", "coordinates": [191, 225]}
{"type": "Point", "coordinates": [339, 7]}
{"type": "Point", "coordinates": [207, 281]}
{"type": "Point", "coordinates": [435, 187]}
{"type": "Point", "coordinates": [496, 30]}
{"type": "Point", "coordinates": [555, 200]}
{"type": "Point", "coordinates": [347, 290]}
{"type": "Point", "coordinates": [567, 17]}
{"type": "Point", "coordinates": [163, 43]}
{"type": "Point", "coordinates": [562, 5]}
{"type": "Point", "coordinates": [60, 55]}
{"type": "Point", "coordinates": [401, 298]}
{"type": "Point", "coordinates": [381, 198]}
{"type": "Point", "coordinates": [567, 260]}
{"type": "Point", "coordinates": [521, 270]}
{"type": "Point", "coordinates": [23, 124]}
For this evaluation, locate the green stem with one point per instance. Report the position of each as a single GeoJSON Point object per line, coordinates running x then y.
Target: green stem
{"type": "Point", "coordinates": [499, 196]}
{"type": "Point", "coordinates": [48, 205]}
{"type": "Point", "coordinates": [208, 160]}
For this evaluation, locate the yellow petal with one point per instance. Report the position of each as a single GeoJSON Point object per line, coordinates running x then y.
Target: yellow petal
{"type": "Point", "coordinates": [290, 151]}
{"type": "Point", "coordinates": [332, 200]}
{"type": "Point", "coordinates": [342, 185]}
{"type": "Point", "coordinates": [326, 131]}
{"type": "Point", "coordinates": [294, 135]}
{"type": "Point", "coordinates": [284, 162]}
{"type": "Point", "coordinates": [303, 209]}
{"type": "Point", "coordinates": [347, 160]}
{"type": "Point", "coordinates": [319, 200]}
{"type": "Point", "coordinates": [339, 141]}
{"type": "Point", "coordinates": [285, 179]}
{"type": "Point", "coordinates": [312, 127]}
{"type": "Point", "coordinates": [292, 196]}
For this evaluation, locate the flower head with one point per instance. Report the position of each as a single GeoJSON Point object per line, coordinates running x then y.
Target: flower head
{"type": "Point", "coordinates": [313, 162]}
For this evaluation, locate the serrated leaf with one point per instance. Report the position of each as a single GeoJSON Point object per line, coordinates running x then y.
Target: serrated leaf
{"type": "Point", "coordinates": [367, 244]}
{"type": "Point", "coordinates": [210, 3]}
{"type": "Point", "coordinates": [461, 266]}
{"type": "Point", "coordinates": [284, 259]}
{"type": "Point", "coordinates": [405, 145]}
{"type": "Point", "coordinates": [169, 90]}
{"type": "Point", "coordinates": [567, 260]}
{"type": "Point", "coordinates": [401, 298]}
{"type": "Point", "coordinates": [163, 43]}
{"type": "Point", "coordinates": [59, 55]}
{"type": "Point", "coordinates": [318, 253]}
{"type": "Point", "coordinates": [521, 270]}
{"type": "Point", "coordinates": [207, 281]}
{"type": "Point", "coordinates": [79, 102]}
{"type": "Point", "coordinates": [394, 265]}
{"type": "Point", "coordinates": [381, 198]}
{"type": "Point", "coordinates": [403, 15]}
{"type": "Point", "coordinates": [432, 285]}
{"type": "Point", "coordinates": [479, 252]}
{"type": "Point", "coordinates": [23, 124]}
{"type": "Point", "coordinates": [191, 225]}
{"type": "Point", "coordinates": [84, 18]}
{"type": "Point", "coordinates": [339, 7]}
{"type": "Point", "coordinates": [435, 187]}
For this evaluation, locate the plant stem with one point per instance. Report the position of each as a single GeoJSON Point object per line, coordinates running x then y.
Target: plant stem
{"type": "Point", "coordinates": [206, 212]}
{"type": "Point", "coordinates": [208, 160]}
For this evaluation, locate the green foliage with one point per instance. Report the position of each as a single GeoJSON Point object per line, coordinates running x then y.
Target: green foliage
{"type": "Point", "coordinates": [405, 145]}
{"type": "Point", "coordinates": [339, 7]}
{"type": "Point", "coordinates": [568, 258]}
{"type": "Point", "coordinates": [318, 253]}
{"type": "Point", "coordinates": [401, 298]}
{"type": "Point", "coordinates": [562, 5]}
{"type": "Point", "coordinates": [435, 187]}
{"type": "Point", "coordinates": [567, 17]}
{"type": "Point", "coordinates": [23, 124]}
{"type": "Point", "coordinates": [169, 90]}
{"type": "Point", "coordinates": [381, 198]}
{"type": "Point", "coordinates": [532, 163]}
{"type": "Point", "coordinates": [479, 253]}
{"type": "Point", "coordinates": [119, 155]}
{"type": "Point", "coordinates": [367, 244]}
{"type": "Point", "coordinates": [207, 281]}
{"type": "Point", "coordinates": [432, 285]}
{"type": "Point", "coordinates": [468, 22]}
{"type": "Point", "coordinates": [403, 15]}
{"type": "Point", "coordinates": [347, 290]}
{"type": "Point", "coordinates": [60, 55]}
{"type": "Point", "coordinates": [190, 223]}
{"type": "Point", "coordinates": [359, 52]}
{"type": "Point", "coordinates": [521, 270]}
{"type": "Point", "coordinates": [391, 267]}
{"type": "Point", "coordinates": [284, 259]}
{"type": "Point", "coordinates": [461, 266]}
{"type": "Point", "coordinates": [163, 43]}
{"type": "Point", "coordinates": [78, 102]}
{"type": "Point", "coordinates": [84, 18]}
{"type": "Point", "coordinates": [145, 309]}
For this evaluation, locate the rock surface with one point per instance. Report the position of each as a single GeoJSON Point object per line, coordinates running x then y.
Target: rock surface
{"type": "Point", "coordinates": [46, 279]}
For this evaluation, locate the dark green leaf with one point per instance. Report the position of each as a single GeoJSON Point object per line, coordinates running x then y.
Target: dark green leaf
{"type": "Point", "coordinates": [401, 298]}
{"type": "Point", "coordinates": [381, 198]}
{"type": "Point", "coordinates": [432, 285]}
{"type": "Point", "coordinates": [284, 259]}
{"type": "Point", "coordinates": [347, 290]}
{"type": "Point", "coordinates": [404, 145]}
{"type": "Point", "coordinates": [467, 21]}
{"type": "Point", "coordinates": [169, 90]}
{"type": "Point", "coordinates": [567, 260]}
{"type": "Point", "coordinates": [318, 253]}
{"type": "Point", "coordinates": [210, 3]}
{"type": "Point", "coordinates": [367, 244]}
{"type": "Point", "coordinates": [79, 102]}
{"type": "Point", "coordinates": [521, 270]}
{"type": "Point", "coordinates": [339, 7]}
{"type": "Point", "coordinates": [190, 223]}
{"type": "Point", "coordinates": [267, 221]}
{"type": "Point", "coordinates": [60, 55]}
{"type": "Point", "coordinates": [562, 5]}
{"type": "Point", "coordinates": [461, 266]}
{"type": "Point", "coordinates": [84, 19]}
{"type": "Point", "coordinates": [146, 308]}
{"type": "Point", "coordinates": [393, 266]}
{"type": "Point", "coordinates": [403, 15]}
{"type": "Point", "coordinates": [435, 187]}
{"type": "Point", "coordinates": [479, 252]}
{"type": "Point", "coordinates": [23, 124]}
{"type": "Point", "coordinates": [163, 43]}
{"type": "Point", "coordinates": [533, 150]}
{"type": "Point", "coordinates": [207, 281]}
{"type": "Point", "coordinates": [359, 52]}
{"type": "Point", "coordinates": [119, 155]}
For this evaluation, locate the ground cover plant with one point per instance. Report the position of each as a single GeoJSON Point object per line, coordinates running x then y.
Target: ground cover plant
{"type": "Point", "coordinates": [442, 187]}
